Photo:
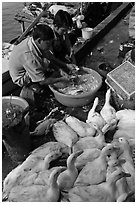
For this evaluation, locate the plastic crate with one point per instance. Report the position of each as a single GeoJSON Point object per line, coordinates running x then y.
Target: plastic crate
{"type": "Point", "coordinates": [122, 82]}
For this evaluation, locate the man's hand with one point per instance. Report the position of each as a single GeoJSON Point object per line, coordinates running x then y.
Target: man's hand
{"type": "Point", "coordinates": [73, 68]}
{"type": "Point", "coordinates": [64, 79]}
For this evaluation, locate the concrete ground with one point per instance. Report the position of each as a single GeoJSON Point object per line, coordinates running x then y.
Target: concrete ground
{"type": "Point", "coordinates": [108, 48]}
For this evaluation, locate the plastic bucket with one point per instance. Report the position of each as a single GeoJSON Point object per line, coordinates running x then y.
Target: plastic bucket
{"type": "Point", "coordinates": [78, 100]}
{"type": "Point", "coordinates": [87, 33]}
{"type": "Point", "coordinates": [17, 138]}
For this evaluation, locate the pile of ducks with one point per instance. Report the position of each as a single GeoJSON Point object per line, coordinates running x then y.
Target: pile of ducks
{"type": "Point", "coordinates": [94, 170]}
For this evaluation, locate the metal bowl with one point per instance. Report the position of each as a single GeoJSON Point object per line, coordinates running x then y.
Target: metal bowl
{"type": "Point", "coordinates": [78, 100]}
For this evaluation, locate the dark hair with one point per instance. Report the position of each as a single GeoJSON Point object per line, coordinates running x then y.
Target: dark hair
{"type": "Point", "coordinates": [63, 18]}
{"type": "Point", "coordinates": [44, 32]}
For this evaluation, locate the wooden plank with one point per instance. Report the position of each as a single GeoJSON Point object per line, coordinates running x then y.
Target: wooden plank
{"type": "Point", "coordinates": [30, 26]}
{"type": "Point", "coordinates": [101, 29]}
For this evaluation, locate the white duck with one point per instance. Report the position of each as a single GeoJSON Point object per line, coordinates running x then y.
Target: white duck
{"type": "Point", "coordinates": [130, 197]}
{"type": "Point", "coordinates": [41, 164]}
{"type": "Point", "coordinates": [124, 146]}
{"type": "Point", "coordinates": [122, 189]}
{"type": "Point", "coordinates": [43, 176]}
{"type": "Point", "coordinates": [26, 173]}
{"type": "Point", "coordinates": [43, 154]}
{"type": "Point", "coordinates": [48, 147]}
{"type": "Point", "coordinates": [38, 193]}
{"type": "Point", "coordinates": [95, 172]}
{"type": "Point", "coordinates": [128, 166]}
{"type": "Point", "coordinates": [108, 112]}
{"type": "Point", "coordinates": [67, 178]}
{"type": "Point", "coordinates": [90, 142]}
{"type": "Point", "coordinates": [103, 192]}
{"type": "Point", "coordinates": [88, 155]}
{"type": "Point", "coordinates": [126, 124]}
{"type": "Point", "coordinates": [63, 133]}
{"type": "Point", "coordinates": [126, 115]}
{"type": "Point", "coordinates": [81, 128]}
{"type": "Point", "coordinates": [95, 117]}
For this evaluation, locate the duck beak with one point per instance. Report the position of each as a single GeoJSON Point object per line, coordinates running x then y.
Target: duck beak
{"type": "Point", "coordinates": [122, 161]}
{"type": "Point", "coordinates": [116, 147]}
{"type": "Point", "coordinates": [126, 174]}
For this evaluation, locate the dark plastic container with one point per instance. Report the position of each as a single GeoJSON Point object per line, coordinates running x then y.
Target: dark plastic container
{"type": "Point", "coordinates": [17, 138]}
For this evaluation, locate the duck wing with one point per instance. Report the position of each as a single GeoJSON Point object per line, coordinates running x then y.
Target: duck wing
{"type": "Point", "coordinates": [18, 174]}
{"type": "Point", "coordinates": [81, 128]}
{"type": "Point", "coordinates": [87, 143]}
{"type": "Point", "coordinates": [87, 156]}
{"type": "Point", "coordinates": [91, 193]}
{"type": "Point", "coordinates": [126, 115]}
{"type": "Point", "coordinates": [33, 193]}
{"type": "Point", "coordinates": [91, 174]}
{"type": "Point", "coordinates": [46, 148]}
{"type": "Point", "coordinates": [63, 133]}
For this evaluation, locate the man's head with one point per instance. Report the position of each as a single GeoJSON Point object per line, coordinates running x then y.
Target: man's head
{"type": "Point", "coordinates": [43, 36]}
{"type": "Point", "coordinates": [62, 22]}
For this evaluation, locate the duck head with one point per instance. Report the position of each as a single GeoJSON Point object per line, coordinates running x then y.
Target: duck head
{"type": "Point", "coordinates": [53, 192]}
{"type": "Point", "coordinates": [108, 94]}
{"type": "Point", "coordinates": [109, 148]}
{"type": "Point", "coordinates": [98, 129]}
{"type": "Point", "coordinates": [122, 143]}
{"type": "Point", "coordinates": [92, 110]}
{"type": "Point", "coordinates": [95, 104]}
{"type": "Point", "coordinates": [122, 140]}
{"type": "Point", "coordinates": [54, 174]}
{"type": "Point", "coordinates": [50, 157]}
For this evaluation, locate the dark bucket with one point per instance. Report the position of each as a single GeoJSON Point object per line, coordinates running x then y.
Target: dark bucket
{"type": "Point", "coordinates": [16, 138]}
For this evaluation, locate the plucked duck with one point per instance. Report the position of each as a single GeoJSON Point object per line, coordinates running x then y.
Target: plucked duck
{"type": "Point", "coordinates": [103, 192]}
{"type": "Point", "coordinates": [128, 166]}
{"type": "Point", "coordinates": [67, 178]}
{"type": "Point", "coordinates": [81, 128]}
{"type": "Point", "coordinates": [95, 117]}
{"type": "Point", "coordinates": [95, 172]}
{"type": "Point", "coordinates": [88, 155]}
{"type": "Point", "coordinates": [90, 142]}
{"type": "Point", "coordinates": [38, 193]}
{"type": "Point", "coordinates": [107, 111]}
{"type": "Point", "coordinates": [63, 133]}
